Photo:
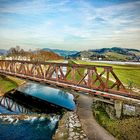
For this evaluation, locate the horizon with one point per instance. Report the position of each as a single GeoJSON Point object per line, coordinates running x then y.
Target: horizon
{"type": "Point", "coordinates": [29, 49]}
{"type": "Point", "coordinates": [70, 25]}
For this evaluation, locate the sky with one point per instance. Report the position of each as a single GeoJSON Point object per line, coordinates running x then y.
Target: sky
{"type": "Point", "coordinates": [69, 24]}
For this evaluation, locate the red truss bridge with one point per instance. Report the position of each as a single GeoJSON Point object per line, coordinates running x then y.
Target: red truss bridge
{"type": "Point", "coordinates": [93, 79]}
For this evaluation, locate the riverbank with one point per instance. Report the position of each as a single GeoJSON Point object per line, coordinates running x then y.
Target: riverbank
{"type": "Point", "coordinates": [8, 83]}
{"type": "Point", "coordinates": [69, 128]}
{"type": "Point", "coordinates": [86, 123]}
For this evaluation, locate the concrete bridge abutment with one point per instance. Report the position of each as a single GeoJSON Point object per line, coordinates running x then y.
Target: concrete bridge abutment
{"type": "Point", "coordinates": [118, 106]}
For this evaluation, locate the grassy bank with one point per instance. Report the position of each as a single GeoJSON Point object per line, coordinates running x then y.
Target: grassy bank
{"type": "Point", "coordinates": [125, 129]}
{"type": "Point", "coordinates": [126, 73]}
{"type": "Point", "coordinates": [62, 130]}
{"type": "Point", "coordinates": [8, 83]}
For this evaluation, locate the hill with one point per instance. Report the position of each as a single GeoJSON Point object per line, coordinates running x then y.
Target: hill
{"type": "Point", "coordinates": [44, 55]}
{"type": "Point", "coordinates": [3, 51]}
{"type": "Point", "coordinates": [64, 53]}
{"type": "Point", "coordinates": [115, 53]}
{"type": "Point", "coordinates": [112, 54]}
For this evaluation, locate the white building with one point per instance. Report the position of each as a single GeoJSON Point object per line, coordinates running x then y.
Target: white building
{"type": "Point", "coordinates": [86, 59]}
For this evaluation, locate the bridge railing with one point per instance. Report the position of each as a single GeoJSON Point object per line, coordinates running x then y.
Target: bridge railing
{"type": "Point", "coordinates": [94, 77]}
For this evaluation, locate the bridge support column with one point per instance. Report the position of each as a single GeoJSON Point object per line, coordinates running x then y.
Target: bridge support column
{"type": "Point", "coordinates": [137, 111]}
{"type": "Point", "coordinates": [118, 108]}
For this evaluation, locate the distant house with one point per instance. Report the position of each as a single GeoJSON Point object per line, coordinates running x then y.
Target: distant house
{"type": "Point", "coordinates": [9, 58]}
{"type": "Point", "coordinates": [85, 59]}
{"type": "Point", "coordinates": [100, 58]}
{"type": "Point", "coordinates": [23, 58]}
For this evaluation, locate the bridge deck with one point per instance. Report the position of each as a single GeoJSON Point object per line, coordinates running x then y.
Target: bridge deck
{"type": "Point", "coordinates": [85, 78]}
{"type": "Point", "coordinates": [116, 96]}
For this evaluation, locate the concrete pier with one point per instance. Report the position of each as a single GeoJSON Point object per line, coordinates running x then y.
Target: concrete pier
{"type": "Point", "coordinates": [118, 108]}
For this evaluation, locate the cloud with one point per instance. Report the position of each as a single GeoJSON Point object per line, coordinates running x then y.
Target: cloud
{"type": "Point", "coordinates": [33, 7]}
{"type": "Point", "coordinates": [70, 23]}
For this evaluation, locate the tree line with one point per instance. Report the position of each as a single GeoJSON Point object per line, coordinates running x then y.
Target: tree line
{"type": "Point", "coordinates": [37, 55]}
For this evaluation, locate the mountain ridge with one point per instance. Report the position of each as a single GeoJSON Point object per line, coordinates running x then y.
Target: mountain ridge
{"type": "Point", "coordinates": [61, 52]}
{"type": "Point", "coordinates": [3, 51]}
{"type": "Point", "coordinates": [113, 54]}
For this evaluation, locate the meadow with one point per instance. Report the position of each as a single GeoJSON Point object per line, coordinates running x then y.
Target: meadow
{"type": "Point", "coordinates": [8, 83]}
{"type": "Point", "coordinates": [126, 73]}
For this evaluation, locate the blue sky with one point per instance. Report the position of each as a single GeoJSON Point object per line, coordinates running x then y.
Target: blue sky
{"type": "Point", "coordinates": [70, 24]}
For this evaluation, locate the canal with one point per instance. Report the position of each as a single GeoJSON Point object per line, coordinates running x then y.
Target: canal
{"type": "Point", "coordinates": [34, 125]}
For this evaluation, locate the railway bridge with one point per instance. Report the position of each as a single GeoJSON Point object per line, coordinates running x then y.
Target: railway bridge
{"type": "Point", "coordinates": [93, 79]}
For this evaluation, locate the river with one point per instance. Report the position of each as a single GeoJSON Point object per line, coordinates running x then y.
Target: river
{"type": "Point", "coordinates": [34, 126]}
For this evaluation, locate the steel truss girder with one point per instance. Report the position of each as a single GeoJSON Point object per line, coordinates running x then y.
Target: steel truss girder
{"type": "Point", "coordinates": [79, 75]}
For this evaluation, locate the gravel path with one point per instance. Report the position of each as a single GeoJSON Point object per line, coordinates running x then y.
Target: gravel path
{"type": "Point", "coordinates": [92, 129]}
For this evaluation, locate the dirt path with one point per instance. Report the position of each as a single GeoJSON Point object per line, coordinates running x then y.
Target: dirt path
{"type": "Point", "coordinates": [92, 129]}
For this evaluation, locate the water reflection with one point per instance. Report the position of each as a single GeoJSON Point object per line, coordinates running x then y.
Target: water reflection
{"type": "Point", "coordinates": [31, 127]}
{"type": "Point", "coordinates": [49, 94]}
{"type": "Point", "coordinates": [63, 94]}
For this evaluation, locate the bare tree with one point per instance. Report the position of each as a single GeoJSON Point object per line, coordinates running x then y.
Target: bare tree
{"type": "Point", "coordinates": [130, 85]}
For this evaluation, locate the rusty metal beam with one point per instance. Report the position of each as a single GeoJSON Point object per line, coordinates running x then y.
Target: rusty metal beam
{"type": "Point", "coordinates": [90, 79]}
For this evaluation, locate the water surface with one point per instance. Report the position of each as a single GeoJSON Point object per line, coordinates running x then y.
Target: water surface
{"type": "Point", "coordinates": [49, 94]}
{"type": "Point", "coordinates": [34, 128]}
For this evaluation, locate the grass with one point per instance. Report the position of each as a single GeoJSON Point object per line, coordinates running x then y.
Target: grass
{"type": "Point", "coordinates": [126, 73]}
{"type": "Point", "coordinates": [76, 74]}
{"type": "Point", "coordinates": [81, 70]}
{"type": "Point", "coordinates": [16, 80]}
{"type": "Point", "coordinates": [8, 83]}
{"type": "Point", "coordinates": [62, 131]}
{"type": "Point", "coordinates": [102, 117]}
{"type": "Point", "coordinates": [125, 129]}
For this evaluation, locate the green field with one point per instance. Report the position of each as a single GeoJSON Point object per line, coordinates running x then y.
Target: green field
{"type": "Point", "coordinates": [8, 83]}
{"type": "Point", "coordinates": [126, 73]}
